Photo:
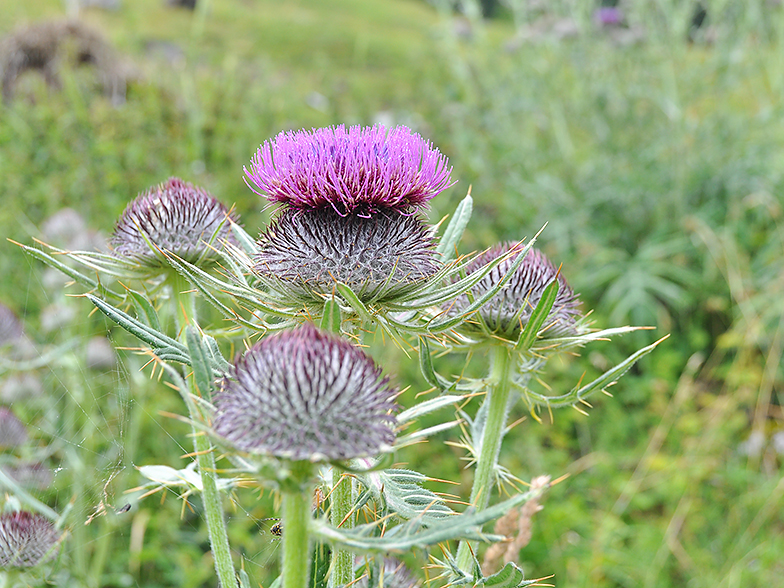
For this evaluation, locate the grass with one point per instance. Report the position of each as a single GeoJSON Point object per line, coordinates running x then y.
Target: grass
{"type": "Point", "coordinates": [657, 167]}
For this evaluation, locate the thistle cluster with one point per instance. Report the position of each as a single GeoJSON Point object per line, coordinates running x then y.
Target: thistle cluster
{"type": "Point", "coordinates": [349, 211]}
{"type": "Point", "coordinates": [348, 246]}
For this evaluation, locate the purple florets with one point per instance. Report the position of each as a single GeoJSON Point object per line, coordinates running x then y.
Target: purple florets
{"type": "Point", "coordinates": [306, 395]}
{"type": "Point", "coordinates": [507, 313]}
{"type": "Point", "coordinates": [354, 171]}
{"type": "Point", "coordinates": [175, 216]}
{"type": "Point", "coordinates": [26, 539]}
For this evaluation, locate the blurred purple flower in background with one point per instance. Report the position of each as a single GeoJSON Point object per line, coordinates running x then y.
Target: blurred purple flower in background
{"type": "Point", "coordinates": [608, 16]}
{"type": "Point", "coordinates": [12, 431]}
{"type": "Point", "coordinates": [26, 539]}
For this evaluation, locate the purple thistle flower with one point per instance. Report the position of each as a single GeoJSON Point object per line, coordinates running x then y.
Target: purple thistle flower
{"type": "Point", "coordinates": [356, 171]}
{"type": "Point", "coordinates": [379, 257]}
{"type": "Point", "coordinates": [306, 395]}
{"type": "Point", "coordinates": [12, 431]}
{"type": "Point", "coordinates": [508, 311]}
{"type": "Point", "coordinates": [175, 216]}
{"type": "Point", "coordinates": [26, 539]}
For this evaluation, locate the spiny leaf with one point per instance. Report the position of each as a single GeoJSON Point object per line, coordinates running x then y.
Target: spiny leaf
{"type": "Point", "coordinates": [538, 316]}
{"type": "Point", "coordinates": [454, 230]}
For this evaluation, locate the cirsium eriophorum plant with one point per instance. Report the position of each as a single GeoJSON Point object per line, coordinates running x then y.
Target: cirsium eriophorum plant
{"type": "Point", "coordinates": [350, 249]}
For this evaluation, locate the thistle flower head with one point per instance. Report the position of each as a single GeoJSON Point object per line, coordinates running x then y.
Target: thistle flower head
{"type": "Point", "coordinates": [306, 395]}
{"type": "Point", "coordinates": [356, 171]}
{"type": "Point", "coordinates": [12, 431]}
{"type": "Point", "coordinates": [307, 252]}
{"type": "Point", "coordinates": [175, 216]}
{"type": "Point", "coordinates": [26, 539]}
{"type": "Point", "coordinates": [507, 312]}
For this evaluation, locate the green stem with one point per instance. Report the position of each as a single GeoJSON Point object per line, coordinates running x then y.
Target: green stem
{"type": "Point", "coordinates": [498, 391]}
{"type": "Point", "coordinates": [342, 560]}
{"type": "Point", "coordinates": [213, 509]}
{"type": "Point", "coordinates": [296, 555]}
{"type": "Point", "coordinates": [341, 495]}
{"type": "Point", "coordinates": [184, 302]}
{"type": "Point", "coordinates": [185, 311]}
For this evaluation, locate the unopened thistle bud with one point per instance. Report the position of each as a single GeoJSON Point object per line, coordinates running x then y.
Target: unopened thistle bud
{"type": "Point", "coordinates": [507, 313]}
{"type": "Point", "coordinates": [306, 395]}
{"type": "Point", "coordinates": [26, 539]}
{"type": "Point", "coordinates": [175, 216]}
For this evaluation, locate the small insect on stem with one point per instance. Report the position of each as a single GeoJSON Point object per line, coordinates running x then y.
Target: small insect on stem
{"type": "Point", "coordinates": [277, 529]}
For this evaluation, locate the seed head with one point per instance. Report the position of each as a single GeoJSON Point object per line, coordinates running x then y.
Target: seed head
{"type": "Point", "coordinates": [306, 395]}
{"type": "Point", "coordinates": [360, 170]}
{"type": "Point", "coordinates": [508, 311]}
{"type": "Point", "coordinates": [379, 257]}
{"type": "Point", "coordinates": [175, 216]}
{"type": "Point", "coordinates": [26, 539]}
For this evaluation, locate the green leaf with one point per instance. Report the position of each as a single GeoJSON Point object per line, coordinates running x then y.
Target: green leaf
{"type": "Point", "coordinates": [353, 300]}
{"type": "Point", "coordinates": [427, 407]}
{"type": "Point", "coordinates": [155, 339]}
{"type": "Point", "coordinates": [454, 230]}
{"type": "Point", "coordinates": [247, 242]}
{"type": "Point", "coordinates": [331, 320]}
{"type": "Point", "coordinates": [202, 373]}
{"type": "Point", "coordinates": [538, 316]}
{"type": "Point", "coordinates": [68, 271]}
{"type": "Point", "coordinates": [606, 379]}
{"type": "Point", "coordinates": [244, 579]}
{"type": "Point", "coordinates": [412, 535]}
{"type": "Point", "coordinates": [510, 576]}
{"type": "Point", "coordinates": [145, 310]}
{"type": "Point", "coordinates": [319, 566]}
{"type": "Point", "coordinates": [404, 495]}
{"type": "Point", "coordinates": [217, 356]}
{"type": "Point", "coordinates": [426, 367]}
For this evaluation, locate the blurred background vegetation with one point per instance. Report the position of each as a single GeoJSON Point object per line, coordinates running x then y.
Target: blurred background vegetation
{"type": "Point", "coordinates": [654, 150]}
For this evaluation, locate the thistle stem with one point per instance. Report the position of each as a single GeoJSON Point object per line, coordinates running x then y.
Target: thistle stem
{"type": "Point", "coordinates": [342, 560]}
{"type": "Point", "coordinates": [499, 388]}
{"type": "Point", "coordinates": [341, 495]}
{"type": "Point", "coordinates": [185, 306]}
{"type": "Point", "coordinates": [296, 558]}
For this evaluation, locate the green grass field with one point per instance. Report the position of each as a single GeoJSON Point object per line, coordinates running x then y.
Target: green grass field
{"type": "Point", "coordinates": [657, 167]}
